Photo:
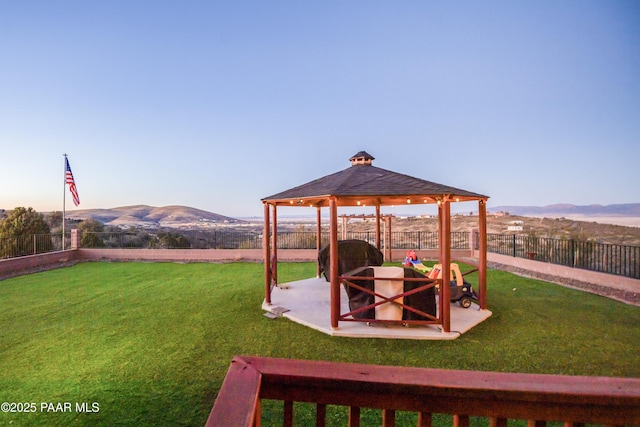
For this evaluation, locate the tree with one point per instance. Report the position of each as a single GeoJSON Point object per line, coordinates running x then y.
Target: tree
{"type": "Point", "coordinates": [21, 221]}
{"type": "Point", "coordinates": [17, 231]}
{"type": "Point", "coordinates": [166, 240]}
{"type": "Point", "coordinates": [90, 238]}
{"type": "Point", "coordinates": [54, 219]}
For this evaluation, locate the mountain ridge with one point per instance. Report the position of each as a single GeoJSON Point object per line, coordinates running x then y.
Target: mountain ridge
{"type": "Point", "coordinates": [177, 216]}
{"type": "Point", "coordinates": [173, 216]}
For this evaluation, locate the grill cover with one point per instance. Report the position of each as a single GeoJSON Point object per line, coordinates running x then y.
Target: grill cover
{"type": "Point", "coordinates": [351, 255]}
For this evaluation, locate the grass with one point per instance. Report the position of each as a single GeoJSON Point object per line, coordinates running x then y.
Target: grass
{"type": "Point", "coordinates": [150, 343]}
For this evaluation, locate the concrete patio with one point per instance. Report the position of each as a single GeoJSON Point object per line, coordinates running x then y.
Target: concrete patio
{"type": "Point", "coordinates": [308, 302]}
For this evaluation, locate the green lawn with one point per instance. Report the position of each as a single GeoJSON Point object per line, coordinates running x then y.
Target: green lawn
{"type": "Point", "coordinates": [150, 343]}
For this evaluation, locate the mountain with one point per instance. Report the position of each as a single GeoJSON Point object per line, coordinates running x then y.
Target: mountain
{"type": "Point", "coordinates": [153, 217]}
{"type": "Point", "coordinates": [623, 210]}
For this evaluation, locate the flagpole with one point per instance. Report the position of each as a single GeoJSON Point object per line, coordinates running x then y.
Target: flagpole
{"type": "Point", "coordinates": [64, 191]}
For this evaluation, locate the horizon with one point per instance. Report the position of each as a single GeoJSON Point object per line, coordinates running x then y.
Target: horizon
{"type": "Point", "coordinates": [220, 105]}
{"type": "Point", "coordinates": [297, 215]}
{"type": "Point", "coordinates": [413, 210]}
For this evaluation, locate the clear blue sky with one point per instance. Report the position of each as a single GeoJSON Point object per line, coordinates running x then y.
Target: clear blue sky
{"type": "Point", "coordinates": [217, 104]}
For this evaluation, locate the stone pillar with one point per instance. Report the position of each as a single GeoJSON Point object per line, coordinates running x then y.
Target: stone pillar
{"type": "Point", "coordinates": [473, 241]}
{"type": "Point", "coordinates": [76, 235]}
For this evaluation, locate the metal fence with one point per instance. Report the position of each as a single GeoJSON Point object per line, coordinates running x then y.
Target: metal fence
{"type": "Point", "coordinates": [11, 247]}
{"type": "Point", "coordinates": [253, 240]}
{"type": "Point", "coordinates": [602, 257]}
{"type": "Point", "coordinates": [195, 240]}
{"type": "Point", "coordinates": [608, 258]}
{"type": "Point", "coordinates": [427, 240]}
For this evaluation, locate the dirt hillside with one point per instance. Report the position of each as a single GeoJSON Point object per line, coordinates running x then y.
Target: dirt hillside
{"type": "Point", "coordinates": [557, 228]}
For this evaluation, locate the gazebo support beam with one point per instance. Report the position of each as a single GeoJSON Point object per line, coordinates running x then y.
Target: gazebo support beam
{"type": "Point", "coordinates": [378, 226]}
{"type": "Point", "coordinates": [274, 245]}
{"type": "Point", "coordinates": [318, 237]}
{"type": "Point", "coordinates": [388, 244]}
{"type": "Point", "coordinates": [333, 260]}
{"type": "Point", "coordinates": [482, 254]}
{"type": "Point", "coordinates": [267, 255]}
{"type": "Point", "coordinates": [445, 261]}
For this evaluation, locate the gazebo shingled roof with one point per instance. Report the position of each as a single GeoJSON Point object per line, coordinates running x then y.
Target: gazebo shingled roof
{"type": "Point", "coordinates": [366, 180]}
{"type": "Point", "coordinates": [363, 184]}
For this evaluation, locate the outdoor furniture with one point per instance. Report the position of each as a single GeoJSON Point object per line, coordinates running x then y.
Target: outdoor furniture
{"type": "Point", "coordinates": [388, 282]}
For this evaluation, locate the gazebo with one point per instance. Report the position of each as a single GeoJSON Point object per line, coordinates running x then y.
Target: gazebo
{"type": "Point", "coordinates": [363, 184]}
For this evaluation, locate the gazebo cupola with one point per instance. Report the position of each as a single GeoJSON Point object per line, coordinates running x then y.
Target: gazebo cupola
{"type": "Point", "coordinates": [361, 158]}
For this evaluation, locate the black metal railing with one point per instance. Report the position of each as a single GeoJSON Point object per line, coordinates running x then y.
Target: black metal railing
{"type": "Point", "coordinates": [608, 258]}
{"type": "Point", "coordinates": [11, 247]}
{"type": "Point", "coordinates": [427, 240]}
{"type": "Point", "coordinates": [189, 240]}
{"type": "Point", "coordinates": [253, 240]}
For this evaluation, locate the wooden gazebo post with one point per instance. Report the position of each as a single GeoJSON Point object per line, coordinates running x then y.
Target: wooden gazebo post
{"type": "Point", "coordinates": [482, 254]}
{"type": "Point", "coordinates": [445, 261]}
{"type": "Point", "coordinates": [267, 254]}
{"type": "Point", "coordinates": [387, 221]}
{"type": "Point", "coordinates": [318, 237]}
{"type": "Point", "coordinates": [378, 227]}
{"type": "Point", "coordinates": [333, 257]}
{"type": "Point", "coordinates": [274, 244]}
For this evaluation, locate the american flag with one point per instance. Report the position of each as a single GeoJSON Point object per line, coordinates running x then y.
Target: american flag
{"type": "Point", "coordinates": [72, 184]}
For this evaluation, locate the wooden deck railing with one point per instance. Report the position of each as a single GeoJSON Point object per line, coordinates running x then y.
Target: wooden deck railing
{"type": "Point", "coordinates": [537, 398]}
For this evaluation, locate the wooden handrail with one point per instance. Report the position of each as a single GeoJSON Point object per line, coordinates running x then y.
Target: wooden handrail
{"type": "Point", "coordinates": [238, 398]}
{"type": "Point", "coordinates": [495, 395]}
